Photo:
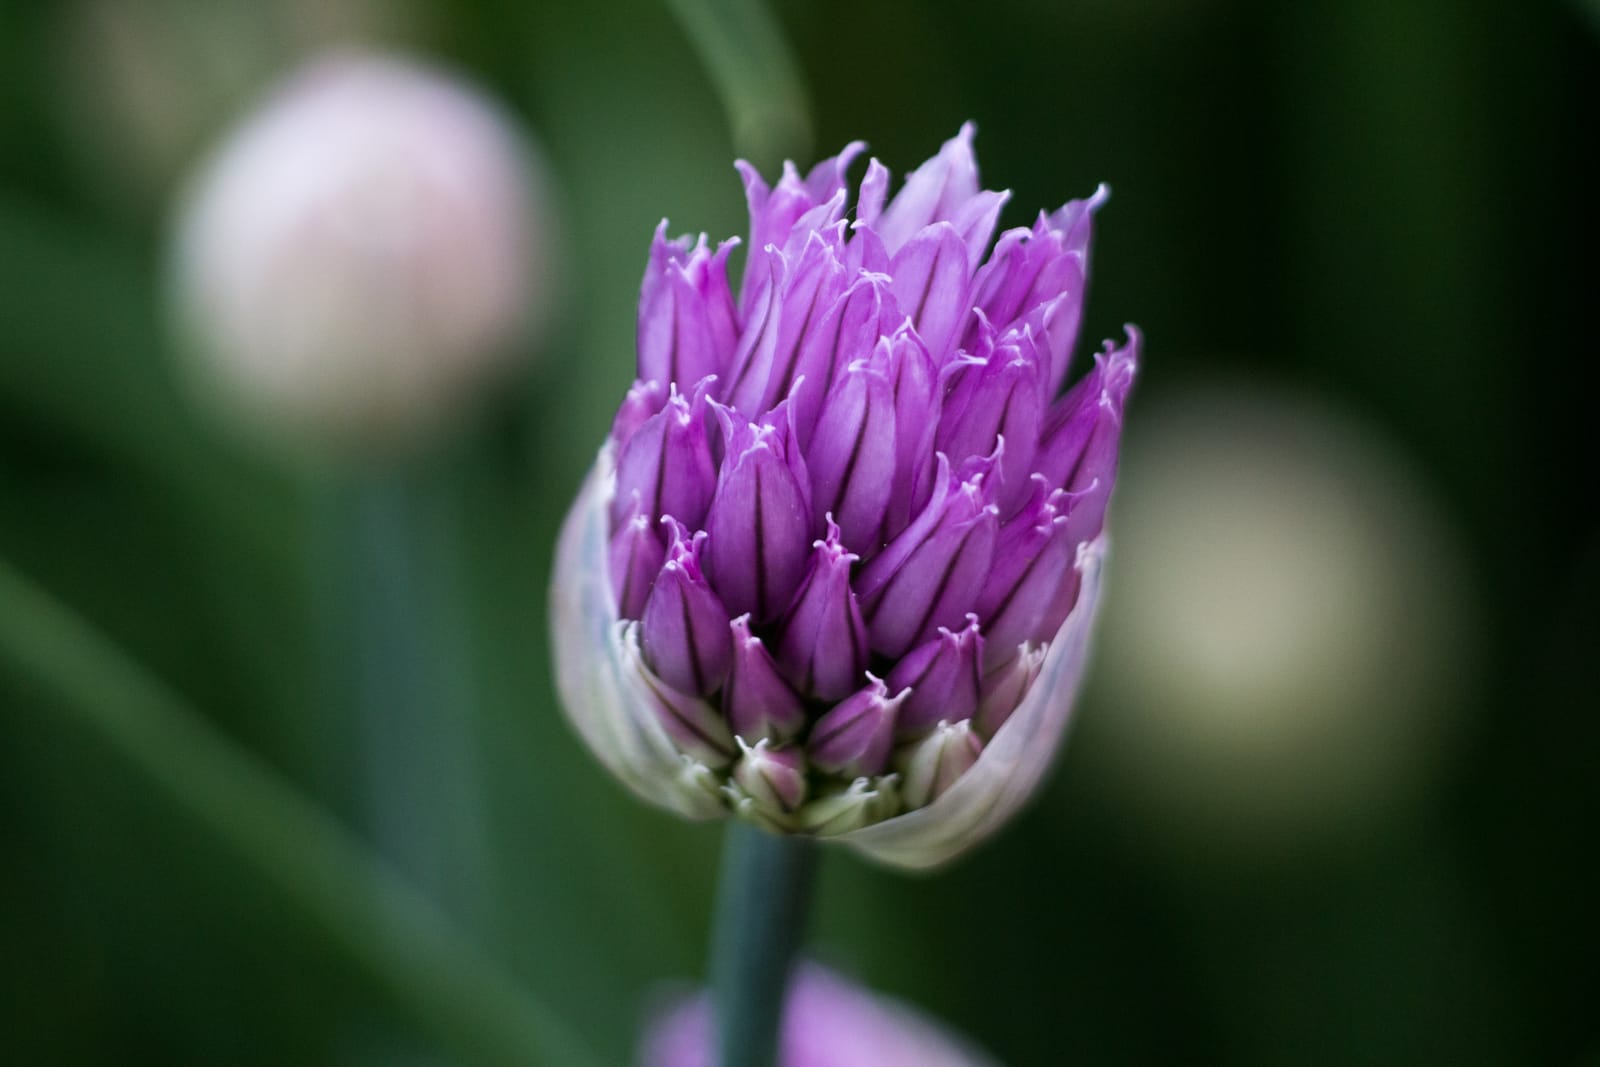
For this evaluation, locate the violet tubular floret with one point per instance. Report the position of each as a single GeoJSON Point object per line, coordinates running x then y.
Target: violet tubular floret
{"type": "Point", "coordinates": [857, 510]}
{"type": "Point", "coordinates": [684, 631]}
{"type": "Point", "coordinates": [823, 646]}
{"type": "Point", "coordinates": [757, 701]}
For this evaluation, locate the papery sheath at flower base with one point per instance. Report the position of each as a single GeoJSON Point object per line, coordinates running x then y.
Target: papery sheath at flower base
{"type": "Point", "coordinates": [835, 568]}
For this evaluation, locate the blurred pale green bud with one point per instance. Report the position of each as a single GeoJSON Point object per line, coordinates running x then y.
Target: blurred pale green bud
{"type": "Point", "coordinates": [361, 256]}
{"type": "Point", "coordinates": [1293, 630]}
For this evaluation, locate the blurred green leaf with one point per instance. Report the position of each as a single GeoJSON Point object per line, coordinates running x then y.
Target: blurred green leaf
{"type": "Point", "coordinates": [460, 996]}
{"type": "Point", "coordinates": [756, 76]}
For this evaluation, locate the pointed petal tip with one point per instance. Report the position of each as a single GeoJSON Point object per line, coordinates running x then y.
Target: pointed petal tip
{"type": "Point", "coordinates": [750, 176]}
{"type": "Point", "coordinates": [1119, 365]}
{"type": "Point", "coordinates": [848, 155]}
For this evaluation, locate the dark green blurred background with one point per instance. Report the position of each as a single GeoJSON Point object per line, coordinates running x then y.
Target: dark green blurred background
{"type": "Point", "coordinates": [1360, 238]}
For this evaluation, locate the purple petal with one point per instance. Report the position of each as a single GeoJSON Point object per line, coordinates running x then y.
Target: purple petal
{"type": "Point", "coordinates": [932, 283]}
{"type": "Point", "coordinates": [757, 701]}
{"type": "Point", "coordinates": [644, 399]}
{"type": "Point", "coordinates": [770, 364]}
{"type": "Point", "coordinates": [852, 457]}
{"type": "Point", "coordinates": [1014, 760]}
{"type": "Point", "coordinates": [1033, 556]}
{"type": "Point", "coordinates": [668, 463]}
{"type": "Point", "coordinates": [874, 191]}
{"type": "Point", "coordinates": [943, 678]}
{"type": "Point", "coordinates": [1079, 450]}
{"type": "Point", "coordinates": [1005, 686]}
{"type": "Point", "coordinates": [975, 222]}
{"type": "Point", "coordinates": [848, 330]}
{"type": "Point", "coordinates": [933, 192]}
{"type": "Point", "coordinates": [776, 212]}
{"type": "Point", "coordinates": [855, 737]}
{"type": "Point", "coordinates": [827, 178]}
{"type": "Point", "coordinates": [751, 365]}
{"type": "Point", "coordinates": [823, 649]}
{"type": "Point", "coordinates": [826, 218]}
{"type": "Point", "coordinates": [686, 317]}
{"type": "Point", "coordinates": [693, 726]}
{"type": "Point", "coordinates": [759, 522]}
{"type": "Point", "coordinates": [607, 693]}
{"type": "Point", "coordinates": [917, 405]}
{"type": "Point", "coordinates": [773, 213]}
{"type": "Point", "coordinates": [1074, 222]}
{"type": "Point", "coordinates": [990, 400]}
{"type": "Point", "coordinates": [684, 629]}
{"type": "Point", "coordinates": [1047, 264]}
{"type": "Point", "coordinates": [929, 576]}
{"type": "Point", "coordinates": [635, 555]}
{"type": "Point", "coordinates": [865, 253]}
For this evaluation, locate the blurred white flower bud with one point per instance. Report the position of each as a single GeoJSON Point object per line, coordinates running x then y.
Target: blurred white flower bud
{"type": "Point", "coordinates": [1290, 638]}
{"type": "Point", "coordinates": [362, 254]}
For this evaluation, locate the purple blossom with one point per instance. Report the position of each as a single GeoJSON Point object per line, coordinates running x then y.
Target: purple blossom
{"type": "Point", "coordinates": [827, 1022]}
{"type": "Point", "coordinates": [856, 511]}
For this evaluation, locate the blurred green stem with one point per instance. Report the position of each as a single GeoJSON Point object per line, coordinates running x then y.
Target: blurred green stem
{"type": "Point", "coordinates": [396, 646]}
{"type": "Point", "coordinates": [463, 999]}
{"type": "Point", "coordinates": [763, 894]}
{"type": "Point", "coordinates": [755, 74]}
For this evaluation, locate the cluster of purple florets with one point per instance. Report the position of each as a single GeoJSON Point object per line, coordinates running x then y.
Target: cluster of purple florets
{"type": "Point", "coordinates": [849, 505]}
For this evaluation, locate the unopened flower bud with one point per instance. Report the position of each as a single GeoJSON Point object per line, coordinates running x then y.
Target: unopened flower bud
{"type": "Point", "coordinates": [684, 631]}
{"type": "Point", "coordinates": [772, 779]}
{"type": "Point", "coordinates": [854, 738]}
{"type": "Point", "coordinates": [667, 461]}
{"type": "Point", "coordinates": [932, 765]}
{"type": "Point", "coordinates": [862, 803]}
{"type": "Point", "coordinates": [770, 363]}
{"type": "Point", "coordinates": [760, 531]}
{"type": "Point", "coordinates": [931, 574]}
{"type": "Point", "coordinates": [995, 399]}
{"type": "Point", "coordinates": [363, 255]}
{"type": "Point", "coordinates": [695, 778]}
{"type": "Point", "coordinates": [1079, 452]}
{"type": "Point", "coordinates": [686, 318]}
{"type": "Point", "coordinates": [692, 724]}
{"type": "Point", "coordinates": [942, 678]}
{"type": "Point", "coordinates": [757, 701]}
{"type": "Point", "coordinates": [636, 558]}
{"type": "Point", "coordinates": [889, 482]}
{"type": "Point", "coordinates": [824, 649]}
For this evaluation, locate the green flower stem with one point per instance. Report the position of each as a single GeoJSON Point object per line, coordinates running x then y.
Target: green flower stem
{"type": "Point", "coordinates": [459, 996]}
{"type": "Point", "coordinates": [755, 74]}
{"type": "Point", "coordinates": [762, 898]}
{"type": "Point", "coordinates": [397, 637]}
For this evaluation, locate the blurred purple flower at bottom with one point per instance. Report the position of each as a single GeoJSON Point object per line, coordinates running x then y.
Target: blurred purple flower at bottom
{"type": "Point", "coordinates": [828, 1022]}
